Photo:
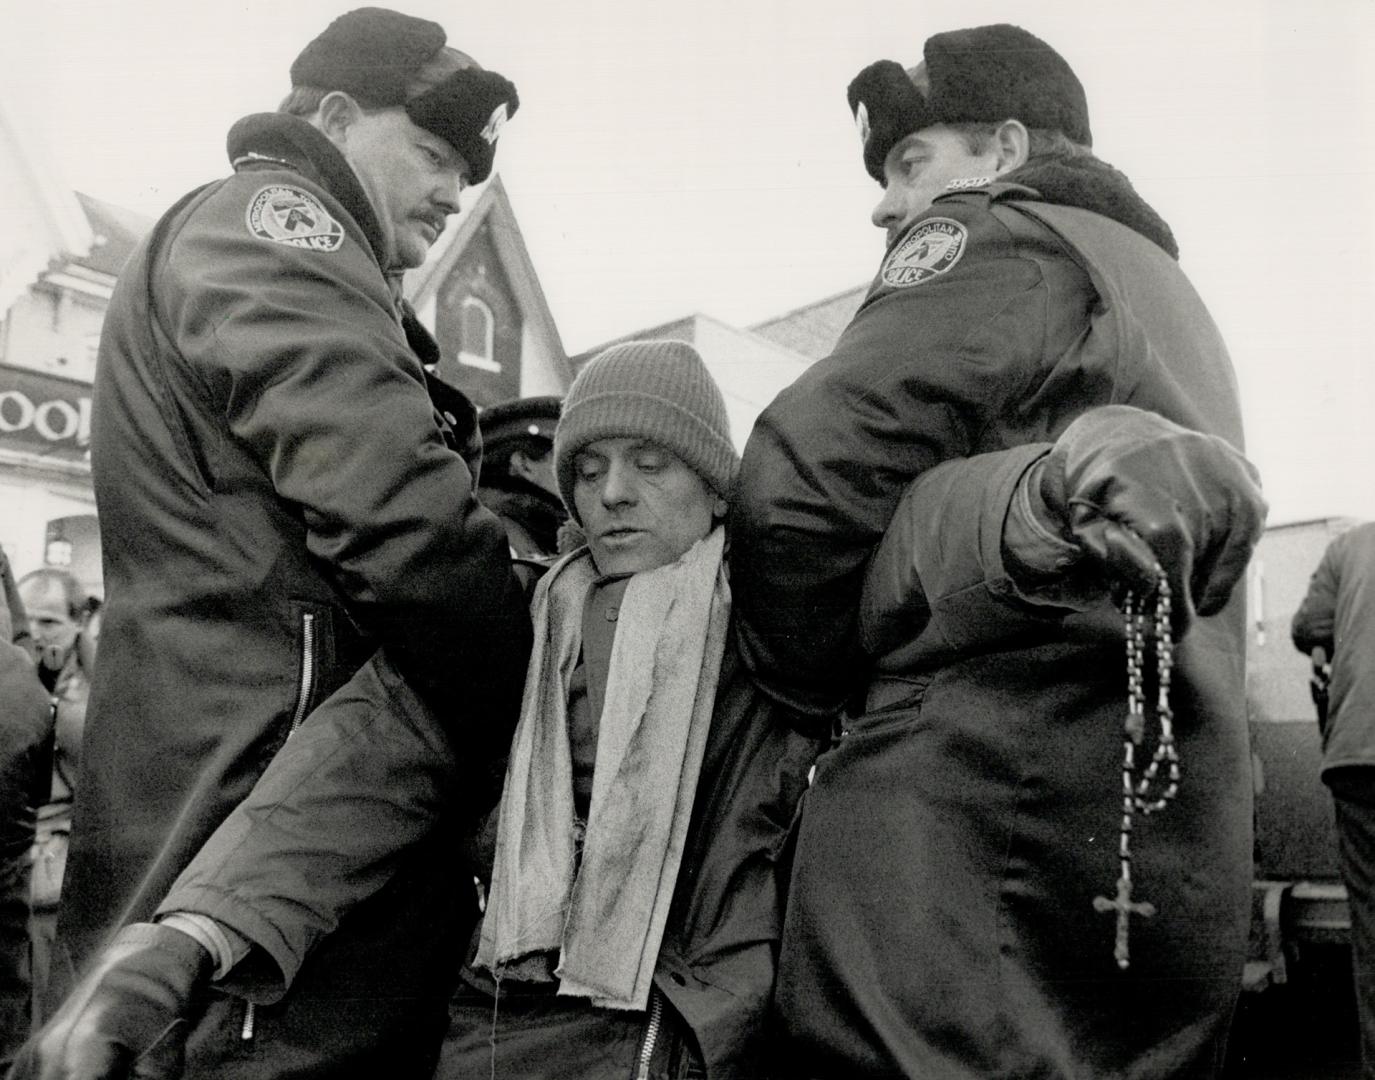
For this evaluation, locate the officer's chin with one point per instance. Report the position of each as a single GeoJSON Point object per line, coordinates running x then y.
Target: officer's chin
{"type": "Point", "coordinates": [410, 254]}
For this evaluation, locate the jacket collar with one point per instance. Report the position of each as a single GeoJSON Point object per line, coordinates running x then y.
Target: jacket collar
{"type": "Point", "coordinates": [1091, 184]}
{"type": "Point", "coordinates": [278, 140]}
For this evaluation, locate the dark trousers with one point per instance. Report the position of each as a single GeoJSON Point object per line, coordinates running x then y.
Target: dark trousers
{"type": "Point", "coordinates": [1353, 793]}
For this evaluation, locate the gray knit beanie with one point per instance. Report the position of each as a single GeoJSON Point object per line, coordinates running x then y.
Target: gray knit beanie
{"type": "Point", "coordinates": [657, 390]}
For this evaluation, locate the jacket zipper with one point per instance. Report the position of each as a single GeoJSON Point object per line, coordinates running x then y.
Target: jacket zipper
{"type": "Point", "coordinates": [656, 1016]}
{"type": "Point", "coordinates": [307, 671]}
{"type": "Point", "coordinates": [297, 719]}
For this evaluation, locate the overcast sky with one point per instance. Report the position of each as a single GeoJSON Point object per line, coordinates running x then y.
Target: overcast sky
{"type": "Point", "coordinates": [699, 156]}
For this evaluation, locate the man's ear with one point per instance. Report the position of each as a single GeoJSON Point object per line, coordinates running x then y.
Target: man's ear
{"type": "Point", "coordinates": [1011, 146]}
{"type": "Point", "coordinates": [337, 113]}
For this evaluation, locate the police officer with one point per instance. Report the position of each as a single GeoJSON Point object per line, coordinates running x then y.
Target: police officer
{"type": "Point", "coordinates": [281, 501]}
{"type": "Point", "coordinates": [1030, 411]}
{"type": "Point", "coordinates": [517, 481]}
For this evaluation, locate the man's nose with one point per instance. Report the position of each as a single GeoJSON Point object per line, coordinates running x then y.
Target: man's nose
{"type": "Point", "coordinates": [888, 212]}
{"type": "Point", "coordinates": [619, 486]}
{"type": "Point", "coordinates": [448, 194]}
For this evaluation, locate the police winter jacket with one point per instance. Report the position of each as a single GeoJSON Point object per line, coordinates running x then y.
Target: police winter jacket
{"type": "Point", "coordinates": [942, 917]}
{"type": "Point", "coordinates": [280, 501]}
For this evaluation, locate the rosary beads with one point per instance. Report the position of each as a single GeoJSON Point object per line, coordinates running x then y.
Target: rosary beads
{"type": "Point", "coordinates": [1139, 793]}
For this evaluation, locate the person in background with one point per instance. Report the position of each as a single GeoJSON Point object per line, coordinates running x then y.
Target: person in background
{"type": "Point", "coordinates": [291, 545]}
{"type": "Point", "coordinates": [633, 913]}
{"type": "Point", "coordinates": [1337, 615]}
{"type": "Point", "coordinates": [517, 482]}
{"type": "Point", "coordinates": [59, 612]}
{"type": "Point", "coordinates": [1030, 421]}
{"type": "Point", "coordinates": [26, 738]}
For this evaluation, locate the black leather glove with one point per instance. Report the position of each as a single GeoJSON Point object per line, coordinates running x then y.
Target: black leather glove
{"type": "Point", "coordinates": [1133, 488]}
{"type": "Point", "coordinates": [129, 1016]}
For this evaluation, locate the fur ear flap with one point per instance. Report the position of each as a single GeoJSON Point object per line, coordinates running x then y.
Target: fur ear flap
{"type": "Point", "coordinates": [887, 106]}
{"type": "Point", "coordinates": [467, 110]}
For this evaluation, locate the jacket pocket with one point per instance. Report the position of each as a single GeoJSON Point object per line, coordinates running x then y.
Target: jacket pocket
{"type": "Point", "coordinates": [890, 702]}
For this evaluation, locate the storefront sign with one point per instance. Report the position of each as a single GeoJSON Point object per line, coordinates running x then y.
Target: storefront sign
{"type": "Point", "coordinates": [45, 414]}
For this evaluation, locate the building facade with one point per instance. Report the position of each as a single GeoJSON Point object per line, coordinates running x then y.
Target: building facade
{"type": "Point", "coordinates": [49, 334]}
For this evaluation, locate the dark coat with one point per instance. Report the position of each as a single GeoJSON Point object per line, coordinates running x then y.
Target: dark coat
{"type": "Point", "coordinates": [279, 499]}
{"type": "Point", "coordinates": [718, 959]}
{"type": "Point", "coordinates": [26, 748]}
{"type": "Point", "coordinates": [1338, 613]}
{"type": "Point", "coordinates": [531, 515]}
{"type": "Point", "coordinates": [941, 920]}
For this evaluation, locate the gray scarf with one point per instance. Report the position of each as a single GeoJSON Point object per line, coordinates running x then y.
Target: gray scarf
{"type": "Point", "coordinates": [598, 928]}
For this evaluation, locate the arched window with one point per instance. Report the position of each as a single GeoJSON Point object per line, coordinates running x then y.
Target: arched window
{"type": "Point", "coordinates": [477, 329]}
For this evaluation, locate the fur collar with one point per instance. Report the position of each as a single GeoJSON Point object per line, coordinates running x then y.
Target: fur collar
{"type": "Point", "coordinates": [1091, 184]}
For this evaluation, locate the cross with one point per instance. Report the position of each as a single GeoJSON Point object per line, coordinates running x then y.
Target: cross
{"type": "Point", "coordinates": [1125, 909]}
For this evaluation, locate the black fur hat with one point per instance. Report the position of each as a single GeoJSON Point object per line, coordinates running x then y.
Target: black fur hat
{"type": "Point", "coordinates": [373, 54]}
{"type": "Point", "coordinates": [984, 73]}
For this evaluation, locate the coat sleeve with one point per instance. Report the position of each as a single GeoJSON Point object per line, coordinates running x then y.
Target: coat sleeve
{"type": "Point", "coordinates": [302, 354]}
{"type": "Point", "coordinates": [1314, 622]}
{"type": "Point", "coordinates": [914, 380]}
{"type": "Point", "coordinates": [360, 784]}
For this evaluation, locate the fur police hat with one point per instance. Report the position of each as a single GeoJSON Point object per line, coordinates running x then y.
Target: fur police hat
{"type": "Point", "coordinates": [374, 54]}
{"type": "Point", "coordinates": [660, 391]}
{"type": "Point", "coordinates": [984, 73]}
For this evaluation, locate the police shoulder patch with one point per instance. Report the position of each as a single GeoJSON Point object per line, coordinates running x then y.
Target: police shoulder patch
{"type": "Point", "coordinates": [286, 214]}
{"type": "Point", "coordinates": [932, 248]}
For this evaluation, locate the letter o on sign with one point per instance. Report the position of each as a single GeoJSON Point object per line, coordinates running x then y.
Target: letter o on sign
{"type": "Point", "coordinates": [16, 411]}
{"type": "Point", "coordinates": [63, 413]}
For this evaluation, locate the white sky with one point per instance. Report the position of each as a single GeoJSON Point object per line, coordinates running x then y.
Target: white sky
{"type": "Point", "coordinates": [699, 156]}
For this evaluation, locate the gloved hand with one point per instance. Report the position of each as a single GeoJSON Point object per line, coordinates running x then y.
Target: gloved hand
{"type": "Point", "coordinates": [128, 1017]}
{"type": "Point", "coordinates": [1133, 488]}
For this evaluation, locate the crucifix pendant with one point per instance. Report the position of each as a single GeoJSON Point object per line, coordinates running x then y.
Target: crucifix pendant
{"type": "Point", "coordinates": [1125, 908]}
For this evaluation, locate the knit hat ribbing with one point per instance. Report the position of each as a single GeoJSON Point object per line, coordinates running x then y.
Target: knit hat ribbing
{"type": "Point", "coordinates": [655, 390]}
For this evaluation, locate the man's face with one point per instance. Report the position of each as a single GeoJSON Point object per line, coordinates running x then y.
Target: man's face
{"type": "Point", "coordinates": [918, 168]}
{"type": "Point", "coordinates": [52, 625]}
{"type": "Point", "coordinates": [641, 506]}
{"type": "Point", "coordinates": [411, 176]}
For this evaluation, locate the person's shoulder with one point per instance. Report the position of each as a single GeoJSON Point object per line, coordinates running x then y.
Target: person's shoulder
{"type": "Point", "coordinates": [960, 230]}
{"type": "Point", "coordinates": [1356, 542]}
{"type": "Point", "coordinates": [274, 210]}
